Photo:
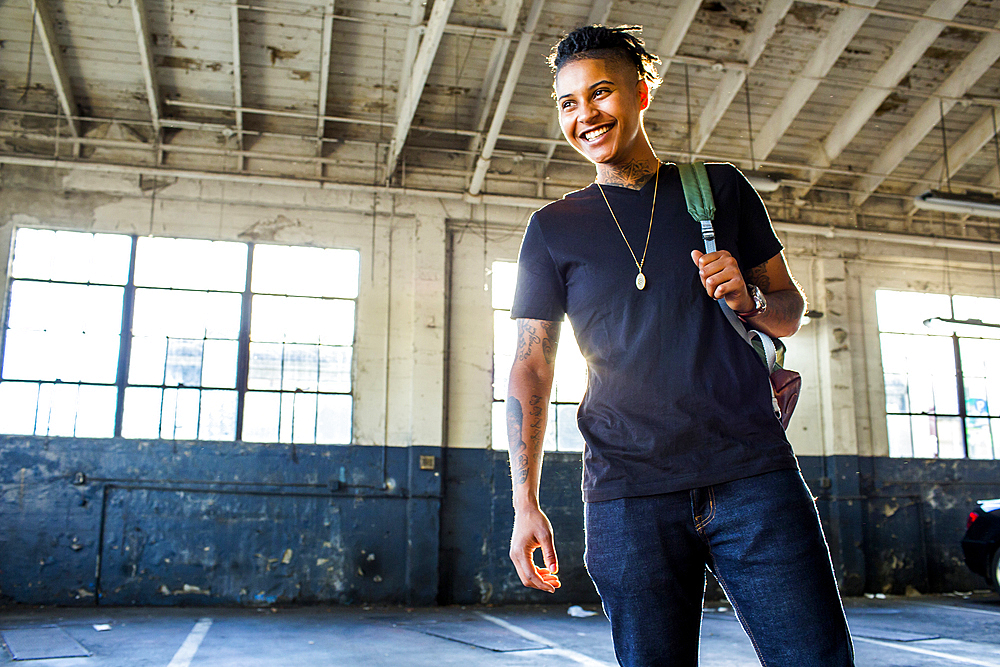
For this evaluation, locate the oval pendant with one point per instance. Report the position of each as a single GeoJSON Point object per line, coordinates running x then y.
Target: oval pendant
{"type": "Point", "coordinates": [640, 281]}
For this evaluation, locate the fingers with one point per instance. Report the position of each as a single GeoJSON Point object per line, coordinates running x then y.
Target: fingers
{"type": "Point", "coordinates": [542, 578]}
{"type": "Point", "coordinates": [720, 274]}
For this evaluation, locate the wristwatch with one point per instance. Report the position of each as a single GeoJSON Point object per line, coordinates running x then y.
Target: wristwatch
{"type": "Point", "coordinates": [759, 304]}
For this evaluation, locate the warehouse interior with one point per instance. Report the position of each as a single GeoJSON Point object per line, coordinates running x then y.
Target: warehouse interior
{"type": "Point", "coordinates": [260, 253]}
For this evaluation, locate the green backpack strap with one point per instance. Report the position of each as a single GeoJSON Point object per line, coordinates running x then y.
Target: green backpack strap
{"type": "Point", "coordinates": [697, 191]}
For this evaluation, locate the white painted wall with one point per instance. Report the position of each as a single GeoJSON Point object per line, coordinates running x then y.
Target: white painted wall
{"type": "Point", "coordinates": [418, 252]}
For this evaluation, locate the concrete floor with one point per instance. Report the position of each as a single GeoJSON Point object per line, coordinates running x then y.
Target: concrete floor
{"type": "Point", "coordinates": [903, 632]}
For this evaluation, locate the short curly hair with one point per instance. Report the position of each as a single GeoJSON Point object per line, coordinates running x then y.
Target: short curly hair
{"type": "Point", "coordinates": [597, 41]}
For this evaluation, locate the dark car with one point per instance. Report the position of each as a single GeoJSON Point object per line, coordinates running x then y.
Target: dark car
{"type": "Point", "coordinates": [981, 543]}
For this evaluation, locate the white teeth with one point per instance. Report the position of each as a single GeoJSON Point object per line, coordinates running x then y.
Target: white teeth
{"type": "Point", "coordinates": [593, 134]}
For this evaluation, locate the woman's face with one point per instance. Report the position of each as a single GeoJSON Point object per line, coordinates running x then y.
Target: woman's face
{"type": "Point", "coordinates": [600, 104]}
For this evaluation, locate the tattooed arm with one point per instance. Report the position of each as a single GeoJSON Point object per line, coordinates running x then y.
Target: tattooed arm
{"type": "Point", "coordinates": [527, 411]}
{"type": "Point", "coordinates": [786, 303]}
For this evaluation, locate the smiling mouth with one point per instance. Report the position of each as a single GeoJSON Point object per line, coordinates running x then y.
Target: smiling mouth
{"type": "Point", "coordinates": [595, 133]}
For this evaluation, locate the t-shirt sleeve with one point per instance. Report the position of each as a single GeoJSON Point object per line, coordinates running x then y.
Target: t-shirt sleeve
{"type": "Point", "coordinates": [541, 291]}
{"type": "Point", "coordinates": [756, 238]}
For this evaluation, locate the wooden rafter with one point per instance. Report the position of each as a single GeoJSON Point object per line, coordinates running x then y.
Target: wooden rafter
{"type": "Point", "coordinates": [927, 117]}
{"type": "Point", "coordinates": [418, 77]}
{"type": "Point", "coordinates": [840, 34]}
{"type": "Point", "coordinates": [234, 22]}
{"type": "Point", "coordinates": [960, 152]}
{"type": "Point", "coordinates": [774, 11]}
{"type": "Point", "coordinates": [324, 80]}
{"type": "Point", "coordinates": [869, 99]}
{"type": "Point", "coordinates": [141, 20]}
{"type": "Point", "coordinates": [47, 35]}
{"type": "Point", "coordinates": [506, 95]}
{"type": "Point", "coordinates": [491, 82]}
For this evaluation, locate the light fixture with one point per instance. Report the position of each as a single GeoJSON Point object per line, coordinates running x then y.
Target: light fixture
{"type": "Point", "coordinates": [962, 204]}
{"type": "Point", "coordinates": [972, 327]}
{"type": "Point", "coordinates": [761, 182]}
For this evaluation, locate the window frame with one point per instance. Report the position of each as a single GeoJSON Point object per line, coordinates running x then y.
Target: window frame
{"type": "Point", "coordinates": [961, 413]}
{"type": "Point", "coordinates": [241, 385]}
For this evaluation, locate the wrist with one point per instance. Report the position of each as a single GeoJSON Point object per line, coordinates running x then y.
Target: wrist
{"type": "Point", "coordinates": [759, 303]}
{"type": "Point", "coordinates": [525, 502]}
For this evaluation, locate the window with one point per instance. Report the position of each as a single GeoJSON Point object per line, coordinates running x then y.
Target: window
{"type": "Point", "coordinates": [941, 361]}
{"type": "Point", "coordinates": [561, 433]}
{"type": "Point", "coordinates": [178, 339]}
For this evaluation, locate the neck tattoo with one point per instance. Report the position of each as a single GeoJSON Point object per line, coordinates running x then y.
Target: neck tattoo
{"type": "Point", "coordinates": [640, 280]}
{"type": "Point", "coordinates": [633, 174]}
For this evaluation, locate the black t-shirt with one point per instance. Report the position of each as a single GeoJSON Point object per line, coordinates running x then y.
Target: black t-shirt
{"type": "Point", "coordinates": [676, 399]}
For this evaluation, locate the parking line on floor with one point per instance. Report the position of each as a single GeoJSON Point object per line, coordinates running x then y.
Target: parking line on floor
{"type": "Point", "coordinates": [928, 652]}
{"type": "Point", "coordinates": [190, 646]}
{"type": "Point", "coordinates": [972, 610]}
{"type": "Point", "coordinates": [554, 647]}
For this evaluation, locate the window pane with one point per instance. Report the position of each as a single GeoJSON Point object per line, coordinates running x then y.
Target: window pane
{"type": "Point", "coordinates": [980, 438]}
{"type": "Point", "coordinates": [18, 401]}
{"type": "Point", "coordinates": [260, 416]}
{"type": "Point", "coordinates": [981, 371]}
{"type": "Point", "coordinates": [96, 412]}
{"type": "Point", "coordinates": [925, 443]}
{"type": "Point", "coordinates": [56, 414]}
{"type": "Point", "coordinates": [147, 360]}
{"type": "Point", "coordinates": [265, 366]}
{"type": "Point", "coordinates": [333, 424]}
{"type": "Point", "coordinates": [499, 423]}
{"type": "Point", "coordinates": [301, 271]}
{"type": "Point", "coordinates": [303, 417]}
{"type": "Point", "coordinates": [60, 355]}
{"type": "Point", "coordinates": [896, 399]}
{"type": "Point", "coordinates": [905, 312]}
{"type": "Point", "coordinates": [300, 368]}
{"type": "Point", "coordinates": [142, 413]}
{"type": "Point", "coordinates": [569, 437]}
{"type": "Point", "coordinates": [179, 417]}
{"type": "Point", "coordinates": [191, 264]}
{"type": "Point", "coordinates": [277, 319]}
{"type": "Point", "coordinates": [71, 256]}
{"type": "Point", "coordinates": [504, 282]}
{"type": "Point", "coordinates": [181, 314]}
{"type": "Point", "coordinates": [219, 364]}
{"type": "Point", "coordinates": [900, 444]}
{"type": "Point", "coordinates": [950, 442]}
{"type": "Point", "coordinates": [335, 368]}
{"type": "Point", "coordinates": [183, 362]}
{"type": "Point", "coordinates": [549, 444]}
{"type": "Point", "coordinates": [218, 415]}
{"type": "Point", "coordinates": [56, 307]}
{"type": "Point", "coordinates": [504, 345]}
{"type": "Point", "coordinates": [978, 308]}
{"type": "Point", "coordinates": [571, 369]}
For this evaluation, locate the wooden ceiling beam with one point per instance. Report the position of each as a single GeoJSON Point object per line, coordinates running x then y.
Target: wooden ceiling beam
{"type": "Point", "coordinates": [863, 108]}
{"type": "Point", "coordinates": [959, 154]}
{"type": "Point", "coordinates": [234, 23]}
{"type": "Point", "coordinates": [64, 91]}
{"type": "Point", "coordinates": [418, 77]}
{"type": "Point", "coordinates": [141, 20]}
{"type": "Point", "coordinates": [720, 99]}
{"type": "Point", "coordinates": [326, 53]}
{"type": "Point", "coordinates": [678, 23]}
{"type": "Point", "coordinates": [506, 95]}
{"type": "Point", "coordinates": [964, 76]}
{"type": "Point", "coordinates": [840, 34]}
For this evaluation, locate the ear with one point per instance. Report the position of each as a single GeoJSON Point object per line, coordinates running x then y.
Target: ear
{"type": "Point", "coordinates": [642, 88]}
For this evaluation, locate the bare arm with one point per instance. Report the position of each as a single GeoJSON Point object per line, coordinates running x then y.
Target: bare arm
{"type": "Point", "coordinates": [527, 411]}
{"type": "Point", "coordinates": [786, 303]}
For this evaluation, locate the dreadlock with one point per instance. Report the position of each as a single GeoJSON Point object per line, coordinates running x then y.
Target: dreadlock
{"type": "Point", "coordinates": [597, 41]}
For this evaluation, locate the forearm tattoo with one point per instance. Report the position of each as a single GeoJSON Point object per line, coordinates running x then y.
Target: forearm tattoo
{"type": "Point", "coordinates": [758, 276]}
{"type": "Point", "coordinates": [528, 336]}
{"type": "Point", "coordinates": [521, 455]}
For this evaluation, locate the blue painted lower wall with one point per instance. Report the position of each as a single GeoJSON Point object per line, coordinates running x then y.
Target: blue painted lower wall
{"type": "Point", "coordinates": [86, 522]}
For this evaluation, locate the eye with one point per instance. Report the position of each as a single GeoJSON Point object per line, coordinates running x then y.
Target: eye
{"type": "Point", "coordinates": [601, 92]}
{"type": "Point", "coordinates": [565, 104]}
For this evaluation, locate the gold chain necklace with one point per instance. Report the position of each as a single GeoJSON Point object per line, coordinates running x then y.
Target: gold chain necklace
{"type": "Point", "coordinates": [640, 280]}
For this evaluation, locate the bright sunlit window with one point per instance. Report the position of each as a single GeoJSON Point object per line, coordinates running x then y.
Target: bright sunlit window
{"type": "Point", "coordinates": [941, 361]}
{"type": "Point", "coordinates": [562, 433]}
{"type": "Point", "coordinates": [140, 337]}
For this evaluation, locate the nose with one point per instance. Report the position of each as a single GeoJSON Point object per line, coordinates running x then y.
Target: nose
{"type": "Point", "coordinates": [588, 112]}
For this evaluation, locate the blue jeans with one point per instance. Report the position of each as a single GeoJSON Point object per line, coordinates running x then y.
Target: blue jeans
{"type": "Point", "coordinates": [761, 538]}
